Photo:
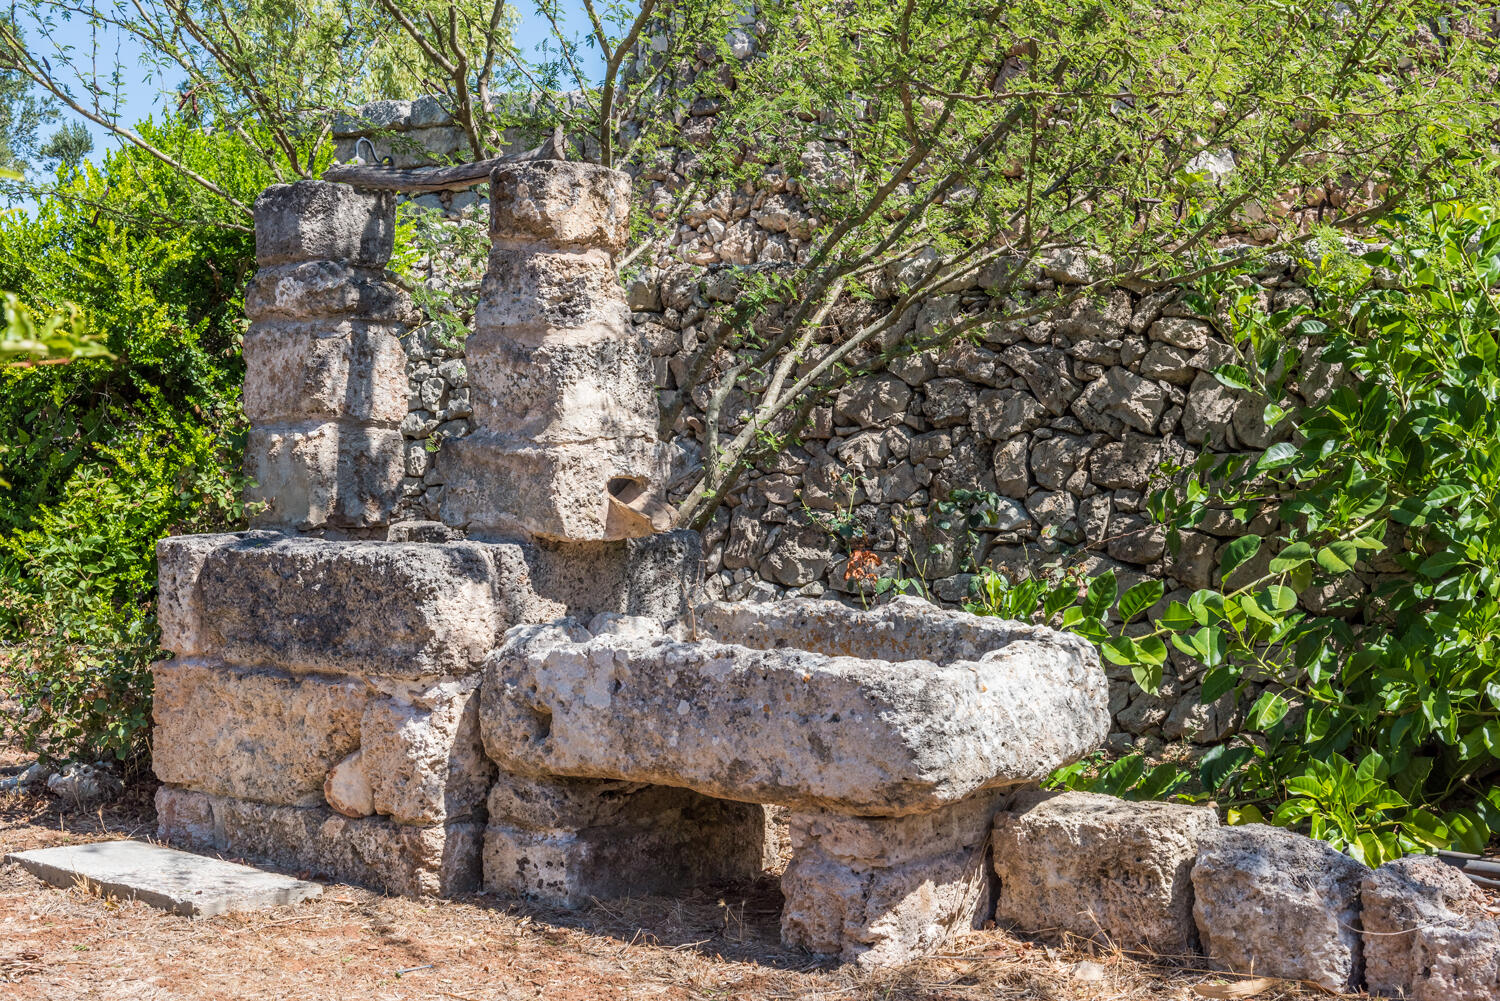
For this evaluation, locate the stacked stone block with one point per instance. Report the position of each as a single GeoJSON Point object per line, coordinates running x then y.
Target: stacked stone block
{"type": "Point", "coordinates": [565, 445]}
{"type": "Point", "coordinates": [325, 382]}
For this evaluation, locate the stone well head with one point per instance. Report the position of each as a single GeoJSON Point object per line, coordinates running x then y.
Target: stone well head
{"type": "Point", "coordinates": [566, 446]}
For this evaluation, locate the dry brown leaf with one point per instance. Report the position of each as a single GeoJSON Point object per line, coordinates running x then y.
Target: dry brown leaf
{"type": "Point", "coordinates": [1239, 989]}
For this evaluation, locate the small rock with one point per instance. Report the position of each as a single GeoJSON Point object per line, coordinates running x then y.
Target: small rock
{"type": "Point", "coordinates": [86, 786]}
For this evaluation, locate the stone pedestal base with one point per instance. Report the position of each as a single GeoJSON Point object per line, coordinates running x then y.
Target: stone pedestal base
{"type": "Point", "coordinates": [880, 891]}
{"type": "Point", "coordinates": [433, 860]}
{"type": "Point", "coordinates": [566, 841]}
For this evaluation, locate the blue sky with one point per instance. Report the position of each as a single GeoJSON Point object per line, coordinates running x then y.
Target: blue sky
{"type": "Point", "coordinates": [140, 97]}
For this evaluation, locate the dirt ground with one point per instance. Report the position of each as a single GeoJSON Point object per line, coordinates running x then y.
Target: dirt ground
{"type": "Point", "coordinates": [353, 944]}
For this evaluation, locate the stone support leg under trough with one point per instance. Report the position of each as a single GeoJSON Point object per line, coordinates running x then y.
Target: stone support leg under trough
{"type": "Point", "coordinates": [880, 891]}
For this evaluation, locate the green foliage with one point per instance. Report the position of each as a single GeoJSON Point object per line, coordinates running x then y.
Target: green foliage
{"type": "Point", "coordinates": [59, 336]}
{"type": "Point", "coordinates": [1377, 726]}
{"type": "Point", "coordinates": [105, 455]}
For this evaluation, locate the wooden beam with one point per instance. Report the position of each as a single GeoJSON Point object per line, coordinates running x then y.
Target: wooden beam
{"type": "Point", "coordinates": [455, 178]}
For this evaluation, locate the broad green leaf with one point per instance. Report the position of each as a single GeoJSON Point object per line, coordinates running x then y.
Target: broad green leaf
{"type": "Point", "coordinates": [1291, 557]}
{"type": "Point", "coordinates": [1237, 552]}
{"type": "Point", "coordinates": [1233, 376]}
{"type": "Point", "coordinates": [1338, 557]}
{"type": "Point", "coordinates": [1267, 711]}
{"type": "Point", "coordinates": [1283, 453]}
{"type": "Point", "coordinates": [1101, 595]}
{"type": "Point", "coordinates": [1139, 598]}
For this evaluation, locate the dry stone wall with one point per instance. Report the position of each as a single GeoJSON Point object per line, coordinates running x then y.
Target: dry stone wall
{"type": "Point", "coordinates": [1067, 419]}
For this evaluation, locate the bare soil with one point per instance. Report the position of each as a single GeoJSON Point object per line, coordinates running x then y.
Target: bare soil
{"type": "Point", "coordinates": [353, 944]}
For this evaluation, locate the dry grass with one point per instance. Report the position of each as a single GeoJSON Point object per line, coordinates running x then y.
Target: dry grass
{"type": "Point", "coordinates": [353, 944]}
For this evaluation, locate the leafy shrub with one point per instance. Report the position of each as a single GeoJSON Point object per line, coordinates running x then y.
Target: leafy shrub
{"type": "Point", "coordinates": [104, 456]}
{"type": "Point", "coordinates": [1378, 727]}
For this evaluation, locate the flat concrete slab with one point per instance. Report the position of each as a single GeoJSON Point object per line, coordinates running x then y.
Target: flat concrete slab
{"type": "Point", "coordinates": [175, 881]}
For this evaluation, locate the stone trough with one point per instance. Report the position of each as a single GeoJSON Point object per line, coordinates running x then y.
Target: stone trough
{"type": "Point", "coordinates": [523, 697]}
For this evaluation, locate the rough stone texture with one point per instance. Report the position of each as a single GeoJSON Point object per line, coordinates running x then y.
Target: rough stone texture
{"type": "Point", "coordinates": [325, 289]}
{"type": "Point", "coordinates": [441, 860]}
{"type": "Point", "coordinates": [324, 370]}
{"type": "Point", "coordinates": [565, 445]}
{"type": "Point", "coordinates": [1099, 867]}
{"type": "Point", "coordinates": [424, 764]}
{"type": "Point", "coordinates": [405, 610]}
{"type": "Point", "coordinates": [334, 474]}
{"type": "Point", "coordinates": [504, 486]}
{"type": "Point", "coordinates": [171, 880]}
{"type": "Point", "coordinates": [795, 726]}
{"type": "Point", "coordinates": [564, 841]}
{"type": "Point", "coordinates": [879, 891]}
{"type": "Point", "coordinates": [252, 734]}
{"type": "Point", "coordinates": [560, 203]}
{"type": "Point", "coordinates": [1428, 934]}
{"type": "Point", "coordinates": [1273, 903]}
{"type": "Point", "coordinates": [317, 220]}
{"type": "Point", "coordinates": [657, 576]}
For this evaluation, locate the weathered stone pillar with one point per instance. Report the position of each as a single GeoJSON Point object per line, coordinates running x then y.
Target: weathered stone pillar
{"type": "Point", "coordinates": [566, 447]}
{"type": "Point", "coordinates": [325, 383]}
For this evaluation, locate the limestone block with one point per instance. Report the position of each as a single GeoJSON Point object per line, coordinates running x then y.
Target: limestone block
{"type": "Point", "coordinates": [534, 295]}
{"type": "Point", "coordinates": [318, 220]}
{"type": "Point", "coordinates": [792, 726]}
{"type": "Point", "coordinates": [1427, 934]}
{"type": "Point", "coordinates": [179, 607]}
{"type": "Point", "coordinates": [324, 475]}
{"type": "Point", "coordinates": [658, 575]}
{"type": "Point", "coordinates": [347, 788]}
{"type": "Point", "coordinates": [562, 392]}
{"type": "Point", "coordinates": [425, 765]}
{"type": "Point", "coordinates": [563, 203]}
{"type": "Point", "coordinates": [881, 891]}
{"type": "Point", "coordinates": [501, 485]}
{"type": "Point", "coordinates": [1273, 903]}
{"type": "Point", "coordinates": [251, 733]}
{"type": "Point", "coordinates": [566, 841]}
{"type": "Point", "coordinates": [440, 860]}
{"type": "Point", "coordinates": [368, 609]}
{"type": "Point", "coordinates": [326, 288]}
{"type": "Point", "coordinates": [297, 371]}
{"type": "Point", "coordinates": [1097, 866]}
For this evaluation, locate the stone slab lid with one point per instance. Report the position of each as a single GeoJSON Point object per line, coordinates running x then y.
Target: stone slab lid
{"type": "Point", "coordinates": [171, 880]}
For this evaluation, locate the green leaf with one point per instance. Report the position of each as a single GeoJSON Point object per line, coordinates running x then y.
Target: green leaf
{"type": "Point", "coordinates": [1139, 598]}
{"type": "Point", "coordinates": [1267, 711]}
{"type": "Point", "coordinates": [1338, 557]}
{"type": "Point", "coordinates": [1282, 598]}
{"type": "Point", "coordinates": [1283, 453]}
{"type": "Point", "coordinates": [1119, 650]}
{"type": "Point", "coordinates": [1291, 557]}
{"type": "Point", "coordinates": [1440, 562]}
{"type": "Point", "coordinates": [1233, 376]}
{"type": "Point", "coordinates": [1101, 595]}
{"type": "Point", "coordinates": [1237, 552]}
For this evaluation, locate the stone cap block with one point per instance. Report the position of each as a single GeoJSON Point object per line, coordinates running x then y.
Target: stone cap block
{"type": "Point", "coordinates": [366, 609]}
{"type": "Point", "coordinates": [562, 203]}
{"type": "Point", "coordinates": [790, 725]}
{"type": "Point", "coordinates": [323, 221]}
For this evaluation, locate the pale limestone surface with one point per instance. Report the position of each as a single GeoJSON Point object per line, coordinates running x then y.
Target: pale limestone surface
{"type": "Point", "coordinates": [365, 609]}
{"type": "Point", "coordinates": [880, 891]}
{"type": "Point", "coordinates": [1273, 903]}
{"type": "Point", "coordinates": [1428, 935]}
{"type": "Point", "coordinates": [327, 474]}
{"type": "Point", "coordinates": [310, 289]}
{"type": "Point", "coordinates": [565, 841]}
{"type": "Point", "coordinates": [305, 370]}
{"type": "Point", "coordinates": [792, 727]}
{"type": "Point", "coordinates": [560, 203]}
{"type": "Point", "coordinates": [425, 765]}
{"type": "Point", "coordinates": [311, 220]}
{"type": "Point", "coordinates": [1099, 867]}
{"type": "Point", "coordinates": [536, 295]}
{"type": "Point", "coordinates": [171, 880]}
{"type": "Point", "coordinates": [252, 734]}
{"type": "Point", "coordinates": [437, 860]}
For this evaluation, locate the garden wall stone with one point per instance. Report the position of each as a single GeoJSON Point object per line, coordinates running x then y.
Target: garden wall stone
{"type": "Point", "coordinates": [1428, 934]}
